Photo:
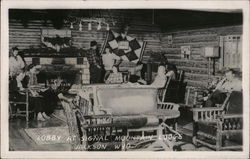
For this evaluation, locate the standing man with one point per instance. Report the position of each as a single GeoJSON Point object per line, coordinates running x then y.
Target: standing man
{"type": "Point", "coordinates": [95, 63]}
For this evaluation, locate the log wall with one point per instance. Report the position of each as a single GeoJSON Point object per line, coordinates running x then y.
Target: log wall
{"type": "Point", "coordinates": [196, 69]}
{"type": "Point", "coordinates": [141, 28]}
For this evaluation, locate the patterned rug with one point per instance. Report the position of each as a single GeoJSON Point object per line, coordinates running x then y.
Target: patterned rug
{"type": "Point", "coordinates": [59, 114]}
{"type": "Point", "coordinates": [49, 135]}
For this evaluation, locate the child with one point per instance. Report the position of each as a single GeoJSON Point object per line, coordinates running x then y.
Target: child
{"type": "Point", "coordinates": [115, 76]}
{"type": "Point", "coordinates": [109, 60]}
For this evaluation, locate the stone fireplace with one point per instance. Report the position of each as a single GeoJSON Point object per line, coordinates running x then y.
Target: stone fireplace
{"type": "Point", "coordinates": [65, 67]}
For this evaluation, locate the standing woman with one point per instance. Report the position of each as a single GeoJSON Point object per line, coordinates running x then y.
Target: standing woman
{"type": "Point", "coordinates": [16, 63]}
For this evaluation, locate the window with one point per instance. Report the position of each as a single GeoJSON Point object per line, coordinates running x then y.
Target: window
{"type": "Point", "coordinates": [231, 51]}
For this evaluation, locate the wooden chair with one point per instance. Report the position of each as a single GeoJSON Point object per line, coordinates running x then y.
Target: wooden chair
{"type": "Point", "coordinates": [15, 103]}
{"type": "Point", "coordinates": [82, 126]}
{"type": "Point", "coordinates": [214, 126]}
{"type": "Point", "coordinates": [162, 91]}
{"type": "Point", "coordinates": [174, 90]}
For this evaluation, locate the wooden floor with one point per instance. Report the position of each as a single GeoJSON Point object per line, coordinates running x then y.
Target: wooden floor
{"type": "Point", "coordinates": [20, 141]}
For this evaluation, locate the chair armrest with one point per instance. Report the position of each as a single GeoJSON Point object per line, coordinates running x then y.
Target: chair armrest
{"type": "Point", "coordinates": [206, 109]}
{"type": "Point", "coordinates": [168, 106]}
{"type": "Point", "coordinates": [206, 114]}
{"type": "Point", "coordinates": [228, 116]}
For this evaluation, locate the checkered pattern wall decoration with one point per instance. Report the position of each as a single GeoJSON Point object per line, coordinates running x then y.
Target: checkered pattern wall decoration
{"type": "Point", "coordinates": [128, 48]}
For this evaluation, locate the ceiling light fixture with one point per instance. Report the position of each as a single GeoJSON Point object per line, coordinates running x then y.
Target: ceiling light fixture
{"type": "Point", "coordinates": [99, 26]}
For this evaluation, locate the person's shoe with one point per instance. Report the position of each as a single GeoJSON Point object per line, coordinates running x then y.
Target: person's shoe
{"type": "Point", "coordinates": [40, 117]}
{"type": "Point", "coordinates": [45, 116]}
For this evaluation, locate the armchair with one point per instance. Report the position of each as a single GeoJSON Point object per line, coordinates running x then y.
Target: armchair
{"type": "Point", "coordinates": [15, 102]}
{"type": "Point", "coordinates": [174, 90]}
{"type": "Point", "coordinates": [82, 126]}
{"type": "Point", "coordinates": [220, 127]}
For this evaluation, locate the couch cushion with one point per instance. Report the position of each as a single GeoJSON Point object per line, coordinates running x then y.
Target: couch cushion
{"type": "Point", "coordinates": [164, 113]}
{"type": "Point", "coordinates": [207, 127]}
{"type": "Point", "coordinates": [135, 121]}
{"type": "Point", "coordinates": [128, 101]}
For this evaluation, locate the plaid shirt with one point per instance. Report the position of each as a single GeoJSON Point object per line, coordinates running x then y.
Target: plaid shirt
{"type": "Point", "coordinates": [114, 78]}
{"type": "Point", "coordinates": [92, 57]}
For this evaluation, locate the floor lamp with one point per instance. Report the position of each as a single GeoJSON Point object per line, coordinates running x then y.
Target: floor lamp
{"type": "Point", "coordinates": [211, 52]}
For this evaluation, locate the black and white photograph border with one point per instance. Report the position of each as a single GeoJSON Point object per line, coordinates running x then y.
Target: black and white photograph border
{"type": "Point", "coordinates": [125, 79]}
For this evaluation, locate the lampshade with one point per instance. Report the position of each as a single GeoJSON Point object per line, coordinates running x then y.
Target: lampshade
{"type": "Point", "coordinates": [99, 26]}
{"type": "Point", "coordinates": [211, 51]}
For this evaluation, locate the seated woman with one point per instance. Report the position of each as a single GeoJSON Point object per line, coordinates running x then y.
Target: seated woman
{"type": "Point", "coordinates": [114, 77]}
{"type": "Point", "coordinates": [36, 102]}
{"type": "Point", "coordinates": [161, 78]}
{"type": "Point", "coordinates": [171, 71]}
{"type": "Point", "coordinates": [228, 84]}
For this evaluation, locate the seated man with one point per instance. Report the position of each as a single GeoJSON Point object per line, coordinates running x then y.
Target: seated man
{"type": "Point", "coordinates": [228, 84]}
{"type": "Point", "coordinates": [115, 76]}
{"type": "Point", "coordinates": [51, 98]}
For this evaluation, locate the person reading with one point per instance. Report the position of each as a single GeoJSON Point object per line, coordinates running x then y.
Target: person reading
{"type": "Point", "coordinates": [228, 84]}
